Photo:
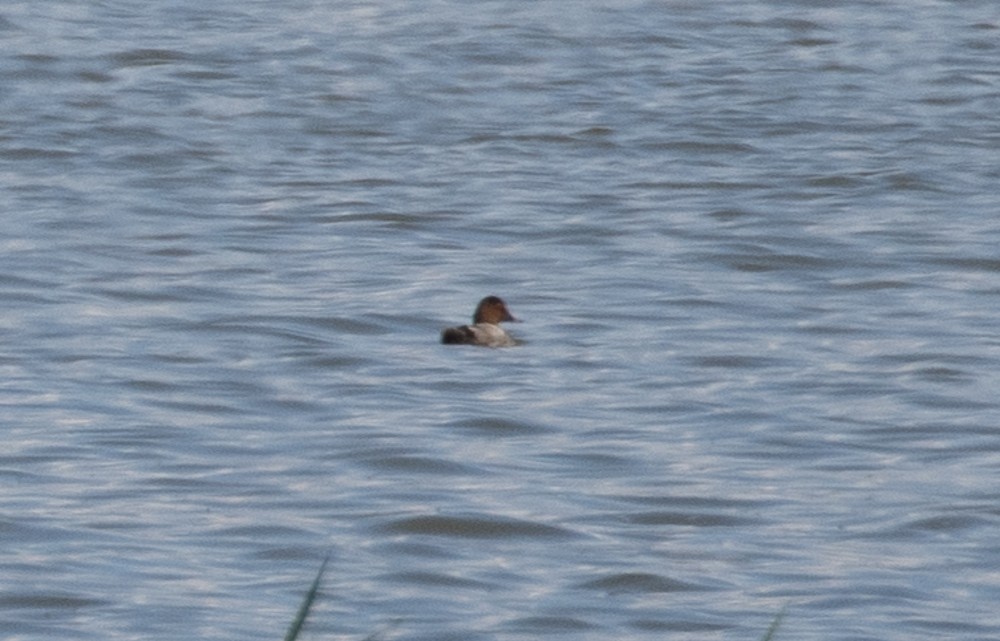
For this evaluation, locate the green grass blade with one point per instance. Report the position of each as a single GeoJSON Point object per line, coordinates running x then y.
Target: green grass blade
{"type": "Point", "coordinates": [300, 617]}
{"type": "Point", "coordinates": [769, 635]}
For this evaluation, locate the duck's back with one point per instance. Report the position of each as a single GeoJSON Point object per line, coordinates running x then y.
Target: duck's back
{"type": "Point", "coordinates": [457, 335]}
{"type": "Point", "coordinates": [484, 334]}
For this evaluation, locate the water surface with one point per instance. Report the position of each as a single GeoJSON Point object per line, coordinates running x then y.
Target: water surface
{"type": "Point", "coordinates": [754, 247]}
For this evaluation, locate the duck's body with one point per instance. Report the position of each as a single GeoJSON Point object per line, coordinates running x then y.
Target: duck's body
{"type": "Point", "coordinates": [485, 329]}
{"type": "Point", "coordinates": [482, 334]}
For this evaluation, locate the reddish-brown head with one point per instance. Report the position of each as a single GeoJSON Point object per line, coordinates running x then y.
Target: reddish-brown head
{"type": "Point", "coordinates": [492, 310]}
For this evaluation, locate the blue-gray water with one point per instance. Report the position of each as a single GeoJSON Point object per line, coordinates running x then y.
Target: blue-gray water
{"type": "Point", "coordinates": [755, 247]}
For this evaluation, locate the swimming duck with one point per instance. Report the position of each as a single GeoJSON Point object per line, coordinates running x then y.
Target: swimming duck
{"type": "Point", "coordinates": [485, 329]}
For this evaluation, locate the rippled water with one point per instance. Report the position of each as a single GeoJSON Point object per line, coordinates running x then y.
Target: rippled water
{"type": "Point", "coordinates": [754, 246]}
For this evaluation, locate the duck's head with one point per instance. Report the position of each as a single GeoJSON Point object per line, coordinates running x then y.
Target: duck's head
{"type": "Point", "coordinates": [492, 310]}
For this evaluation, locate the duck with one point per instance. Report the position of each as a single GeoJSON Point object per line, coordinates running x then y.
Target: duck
{"type": "Point", "coordinates": [485, 329]}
